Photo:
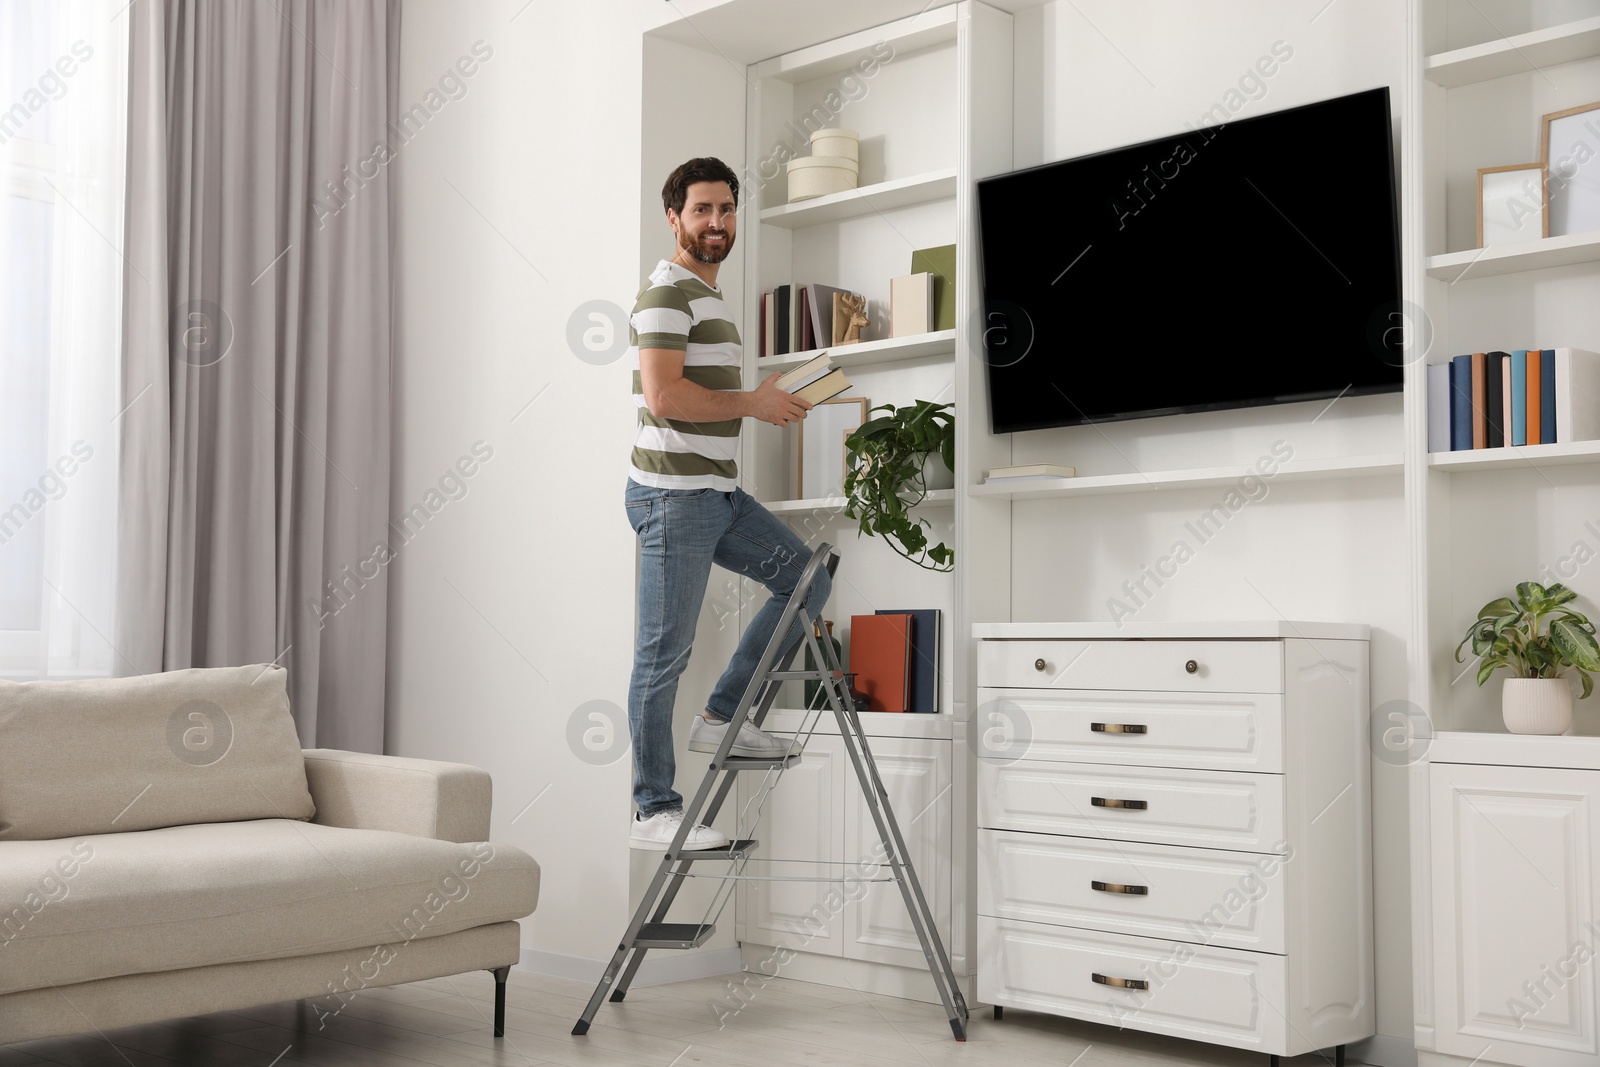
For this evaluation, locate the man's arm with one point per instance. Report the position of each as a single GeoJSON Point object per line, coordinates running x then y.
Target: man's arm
{"type": "Point", "coordinates": [669, 395]}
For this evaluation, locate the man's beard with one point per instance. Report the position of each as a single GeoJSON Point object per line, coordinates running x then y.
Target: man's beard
{"type": "Point", "coordinates": [696, 247]}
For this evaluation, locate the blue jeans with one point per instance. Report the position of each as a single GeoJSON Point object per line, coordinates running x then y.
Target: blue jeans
{"type": "Point", "coordinates": [682, 532]}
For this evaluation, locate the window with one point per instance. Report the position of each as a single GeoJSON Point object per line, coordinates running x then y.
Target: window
{"type": "Point", "coordinates": [62, 132]}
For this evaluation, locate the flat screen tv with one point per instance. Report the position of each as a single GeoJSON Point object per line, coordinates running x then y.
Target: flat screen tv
{"type": "Point", "coordinates": [1256, 262]}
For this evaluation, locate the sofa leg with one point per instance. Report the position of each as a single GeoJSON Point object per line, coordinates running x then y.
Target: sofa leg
{"type": "Point", "coordinates": [500, 976]}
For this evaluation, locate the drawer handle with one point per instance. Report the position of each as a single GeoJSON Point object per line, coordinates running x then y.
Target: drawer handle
{"type": "Point", "coordinates": [1118, 887]}
{"type": "Point", "coordinates": [1040, 665]}
{"type": "Point", "coordinates": [1119, 728]}
{"type": "Point", "coordinates": [1191, 666]}
{"type": "Point", "coordinates": [1120, 983]}
{"type": "Point", "coordinates": [1113, 802]}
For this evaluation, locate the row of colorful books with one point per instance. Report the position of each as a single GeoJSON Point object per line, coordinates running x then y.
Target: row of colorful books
{"type": "Point", "coordinates": [1529, 396]}
{"type": "Point", "coordinates": [800, 318]}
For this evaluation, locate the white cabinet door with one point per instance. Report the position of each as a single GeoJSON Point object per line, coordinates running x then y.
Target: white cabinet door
{"type": "Point", "coordinates": [916, 774]}
{"type": "Point", "coordinates": [1515, 910]}
{"type": "Point", "coordinates": [802, 820]}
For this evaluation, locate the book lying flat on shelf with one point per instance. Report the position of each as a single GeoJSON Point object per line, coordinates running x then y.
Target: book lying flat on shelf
{"type": "Point", "coordinates": [1031, 470]}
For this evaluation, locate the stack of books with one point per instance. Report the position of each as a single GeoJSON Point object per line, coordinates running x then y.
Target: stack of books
{"type": "Point", "coordinates": [1529, 396]}
{"type": "Point", "coordinates": [797, 319]}
{"type": "Point", "coordinates": [815, 380]}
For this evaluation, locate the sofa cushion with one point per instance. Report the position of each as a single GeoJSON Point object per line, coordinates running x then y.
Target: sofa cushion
{"type": "Point", "coordinates": [187, 896]}
{"type": "Point", "coordinates": [98, 756]}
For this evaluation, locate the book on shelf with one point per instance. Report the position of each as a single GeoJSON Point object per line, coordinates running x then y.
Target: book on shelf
{"type": "Point", "coordinates": [910, 305]}
{"type": "Point", "coordinates": [1577, 374]}
{"type": "Point", "coordinates": [826, 387]}
{"type": "Point", "coordinates": [819, 301]}
{"type": "Point", "coordinates": [769, 319]}
{"type": "Point", "coordinates": [923, 690]}
{"type": "Point", "coordinates": [941, 263]}
{"type": "Point", "coordinates": [1493, 404]}
{"type": "Point", "coordinates": [880, 658]}
{"type": "Point", "coordinates": [1460, 403]}
{"type": "Point", "coordinates": [1438, 407]}
{"type": "Point", "coordinates": [1533, 391]}
{"type": "Point", "coordinates": [1517, 398]}
{"type": "Point", "coordinates": [1480, 400]}
{"type": "Point", "coordinates": [1547, 396]}
{"type": "Point", "coordinates": [1030, 471]}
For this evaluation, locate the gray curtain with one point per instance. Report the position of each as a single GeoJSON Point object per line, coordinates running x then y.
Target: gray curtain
{"type": "Point", "coordinates": [254, 482]}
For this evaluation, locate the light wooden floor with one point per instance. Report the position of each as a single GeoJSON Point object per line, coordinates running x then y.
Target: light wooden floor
{"type": "Point", "coordinates": [447, 1022]}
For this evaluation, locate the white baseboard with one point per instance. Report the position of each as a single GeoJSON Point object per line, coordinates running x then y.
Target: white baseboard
{"type": "Point", "coordinates": [655, 970]}
{"type": "Point", "coordinates": [1383, 1050]}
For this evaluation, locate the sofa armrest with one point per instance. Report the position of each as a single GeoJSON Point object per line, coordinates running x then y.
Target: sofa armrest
{"type": "Point", "coordinates": [426, 798]}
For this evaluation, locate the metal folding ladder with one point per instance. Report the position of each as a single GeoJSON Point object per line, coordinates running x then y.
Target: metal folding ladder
{"type": "Point", "coordinates": [649, 928]}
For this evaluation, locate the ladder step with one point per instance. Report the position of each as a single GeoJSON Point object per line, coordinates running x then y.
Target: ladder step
{"type": "Point", "coordinates": [673, 935]}
{"type": "Point", "coordinates": [797, 676]}
{"type": "Point", "coordinates": [733, 851]}
{"type": "Point", "coordinates": [755, 763]}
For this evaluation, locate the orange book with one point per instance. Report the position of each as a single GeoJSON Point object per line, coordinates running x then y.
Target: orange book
{"type": "Point", "coordinates": [1535, 424]}
{"type": "Point", "coordinates": [880, 658]}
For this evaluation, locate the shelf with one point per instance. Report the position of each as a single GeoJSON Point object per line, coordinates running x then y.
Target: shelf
{"type": "Point", "coordinates": [1497, 459]}
{"type": "Point", "coordinates": [867, 200]}
{"type": "Point", "coordinates": [1197, 478]}
{"type": "Point", "coordinates": [1511, 259]}
{"type": "Point", "coordinates": [866, 353]}
{"type": "Point", "coordinates": [1515, 55]}
{"type": "Point", "coordinates": [936, 498]}
{"type": "Point", "coordinates": [1576, 751]}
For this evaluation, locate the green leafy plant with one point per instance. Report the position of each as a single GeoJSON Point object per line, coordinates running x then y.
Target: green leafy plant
{"type": "Point", "coordinates": [885, 458]}
{"type": "Point", "coordinates": [1507, 634]}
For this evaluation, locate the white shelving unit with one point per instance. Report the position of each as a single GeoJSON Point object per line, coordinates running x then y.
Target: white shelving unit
{"type": "Point", "coordinates": [864, 201]}
{"type": "Point", "coordinates": [1482, 521]}
{"type": "Point", "coordinates": [940, 344]}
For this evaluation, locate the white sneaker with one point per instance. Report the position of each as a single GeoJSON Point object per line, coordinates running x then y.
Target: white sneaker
{"type": "Point", "coordinates": [655, 834]}
{"type": "Point", "coordinates": [706, 736]}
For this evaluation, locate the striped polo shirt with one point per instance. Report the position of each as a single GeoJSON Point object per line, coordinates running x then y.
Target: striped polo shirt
{"type": "Point", "coordinates": [678, 311]}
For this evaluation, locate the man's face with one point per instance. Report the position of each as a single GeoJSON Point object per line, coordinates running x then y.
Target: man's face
{"type": "Point", "coordinates": [706, 226]}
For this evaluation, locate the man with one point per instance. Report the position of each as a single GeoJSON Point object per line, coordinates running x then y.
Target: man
{"type": "Point", "coordinates": [684, 503]}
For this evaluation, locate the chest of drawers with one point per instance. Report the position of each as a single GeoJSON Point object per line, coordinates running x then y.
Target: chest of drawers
{"type": "Point", "coordinates": [1174, 829]}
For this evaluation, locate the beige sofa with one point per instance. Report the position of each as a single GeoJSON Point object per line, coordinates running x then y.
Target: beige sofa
{"type": "Point", "coordinates": [167, 849]}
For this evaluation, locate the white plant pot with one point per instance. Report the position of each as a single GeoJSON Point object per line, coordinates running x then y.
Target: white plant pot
{"type": "Point", "coordinates": [935, 475]}
{"type": "Point", "coordinates": [1536, 705]}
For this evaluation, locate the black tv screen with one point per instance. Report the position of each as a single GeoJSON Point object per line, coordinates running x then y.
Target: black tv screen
{"type": "Point", "coordinates": [1256, 262]}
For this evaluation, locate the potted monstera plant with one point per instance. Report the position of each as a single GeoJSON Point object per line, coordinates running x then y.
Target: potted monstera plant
{"type": "Point", "coordinates": [893, 462]}
{"type": "Point", "coordinates": [1540, 640]}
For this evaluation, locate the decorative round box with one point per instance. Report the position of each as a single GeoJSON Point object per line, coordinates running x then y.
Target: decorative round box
{"type": "Point", "coordinates": [820, 175]}
{"type": "Point", "coordinates": [845, 144]}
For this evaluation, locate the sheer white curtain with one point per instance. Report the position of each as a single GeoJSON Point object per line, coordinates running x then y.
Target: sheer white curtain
{"type": "Point", "coordinates": [63, 121]}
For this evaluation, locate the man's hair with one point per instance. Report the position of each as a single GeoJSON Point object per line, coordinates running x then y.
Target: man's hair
{"type": "Point", "coordinates": [705, 169]}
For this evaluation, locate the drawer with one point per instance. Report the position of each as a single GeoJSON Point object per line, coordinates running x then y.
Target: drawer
{"type": "Point", "coordinates": [1217, 731]}
{"type": "Point", "coordinates": [1219, 666]}
{"type": "Point", "coordinates": [1200, 895]}
{"type": "Point", "coordinates": [1202, 993]}
{"type": "Point", "coordinates": [1206, 809]}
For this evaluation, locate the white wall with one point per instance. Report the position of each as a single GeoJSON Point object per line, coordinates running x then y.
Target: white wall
{"type": "Point", "coordinates": [513, 606]}
{"type": "Point", "coordinates": [1095, 74]}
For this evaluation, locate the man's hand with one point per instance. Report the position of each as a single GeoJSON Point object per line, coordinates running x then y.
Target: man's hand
{"type": "Point", "coordinates": [771, 404]}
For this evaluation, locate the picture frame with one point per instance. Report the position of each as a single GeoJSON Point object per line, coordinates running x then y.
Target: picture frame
{"type": "Point", "coordinates": [1513, 204]}
{"type": "Point", "coordinates": [819, 446]}
{"type": "Point", "coordinates": [1569, 146]}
